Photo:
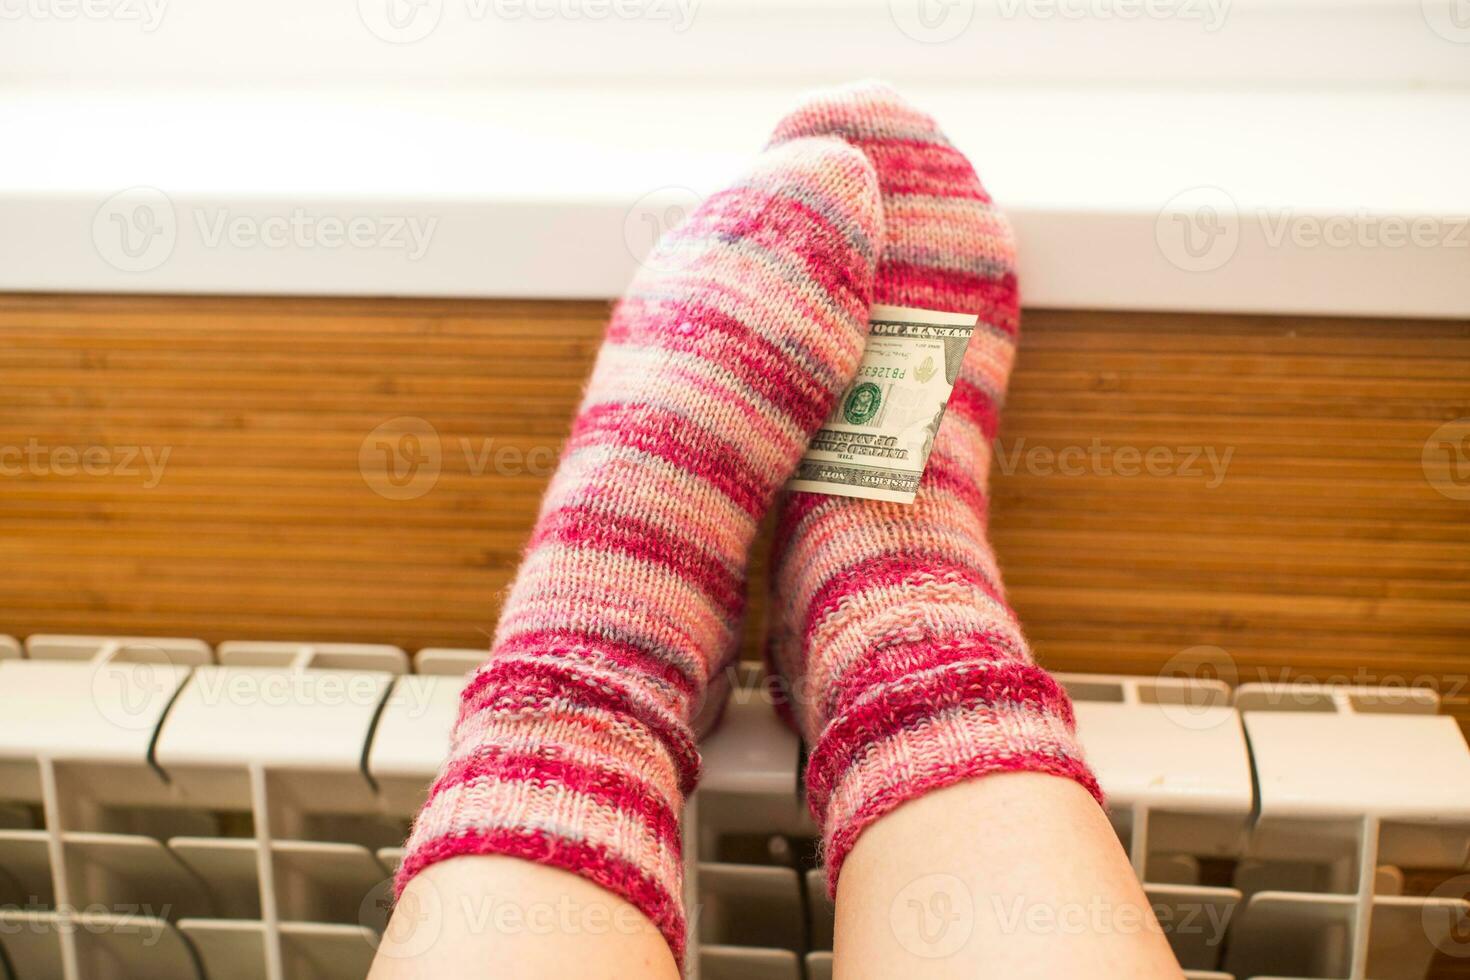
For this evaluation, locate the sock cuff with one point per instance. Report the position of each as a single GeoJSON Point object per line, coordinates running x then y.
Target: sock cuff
{"type": "Point", "coordinates": [587, 794]}
{"type": "Point", "coordinates": [619, 874]}
{"type": "Point", "coordinates": [924, 733]}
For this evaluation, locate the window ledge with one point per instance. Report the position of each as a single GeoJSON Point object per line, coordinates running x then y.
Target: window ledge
{"type": "Point", "coordinates": [1207, 199]}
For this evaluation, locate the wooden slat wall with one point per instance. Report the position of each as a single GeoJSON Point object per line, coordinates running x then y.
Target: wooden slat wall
{"type": "Point", "coordinates": [1324, 552]}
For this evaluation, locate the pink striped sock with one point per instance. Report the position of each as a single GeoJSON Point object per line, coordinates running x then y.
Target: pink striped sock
{"type": "Point", "coordinates": [573, 745]}
{"type": "Point", "coordinates": [905, 668]}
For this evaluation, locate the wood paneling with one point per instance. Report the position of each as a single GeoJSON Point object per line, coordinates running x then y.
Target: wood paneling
{"type": "Point", "coordinates": [1321, 550]}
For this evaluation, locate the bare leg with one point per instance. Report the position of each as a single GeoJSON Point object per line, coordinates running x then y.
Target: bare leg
{"type": "Point", "coordinates": [1012, 876]}
{"type": "Point", "coordinates": [504, 918]}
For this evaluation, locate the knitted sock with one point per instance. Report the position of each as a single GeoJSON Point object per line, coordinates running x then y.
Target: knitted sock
{"type": "Point", "coordinates": [903, 665]}
{"type": "Point", "coordinates": [573, 745]}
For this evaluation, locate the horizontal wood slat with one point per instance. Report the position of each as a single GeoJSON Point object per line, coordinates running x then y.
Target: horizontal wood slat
{"type": "Point", "coordinates": [1290, 517]}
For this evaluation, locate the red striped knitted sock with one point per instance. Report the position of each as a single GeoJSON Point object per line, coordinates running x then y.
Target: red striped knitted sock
{"type": "Point", "coordinates": [573, 745]}
{"type": "Point", "coordinates": [906, 670]}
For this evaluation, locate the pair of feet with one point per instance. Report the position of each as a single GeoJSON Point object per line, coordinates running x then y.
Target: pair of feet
{"type": "Point", "coordinates": [904, 668]}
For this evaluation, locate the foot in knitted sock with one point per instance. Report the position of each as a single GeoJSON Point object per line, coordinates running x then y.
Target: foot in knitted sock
{"type": "Point", "coordinates": [573, 745]}
{"type": "Point", "coordinates": [905, 668]}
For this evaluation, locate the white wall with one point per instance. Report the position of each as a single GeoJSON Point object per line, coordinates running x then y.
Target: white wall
{"type": "Point", "coordinates": [1251, 42]}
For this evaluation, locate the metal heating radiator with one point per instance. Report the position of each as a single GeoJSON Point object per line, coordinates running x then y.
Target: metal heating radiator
{"type": "Point", "coordinates": [171, 810]}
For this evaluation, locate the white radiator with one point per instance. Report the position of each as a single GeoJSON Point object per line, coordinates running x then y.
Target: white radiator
{"type": "Point", "coordinates": [171, 810]}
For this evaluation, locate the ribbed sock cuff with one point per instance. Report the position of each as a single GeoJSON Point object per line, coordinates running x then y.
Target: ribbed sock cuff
{"type": "Point", "coordinates": [923, 733]}
{"type": "Point", "coordinates": [597, 864]}
{"type": "Point", "coordinates": [575, 785]}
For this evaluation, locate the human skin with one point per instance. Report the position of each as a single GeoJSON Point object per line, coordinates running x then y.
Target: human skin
{"type": "Point", "coordinates": [511, 919]}
{"type": "Point", "coordinates": [1013, 876]}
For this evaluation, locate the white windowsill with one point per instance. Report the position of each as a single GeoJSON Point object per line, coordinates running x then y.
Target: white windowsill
{"type": "Point", "coordinates": [555, 192]}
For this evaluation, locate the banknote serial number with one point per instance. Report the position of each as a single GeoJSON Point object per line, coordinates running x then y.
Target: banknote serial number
{"type": "Point", "coordinates": [879, 371]}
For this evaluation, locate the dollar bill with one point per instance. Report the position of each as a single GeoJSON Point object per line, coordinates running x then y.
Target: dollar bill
{"type": "Point", "coordinates": [877, 439]}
